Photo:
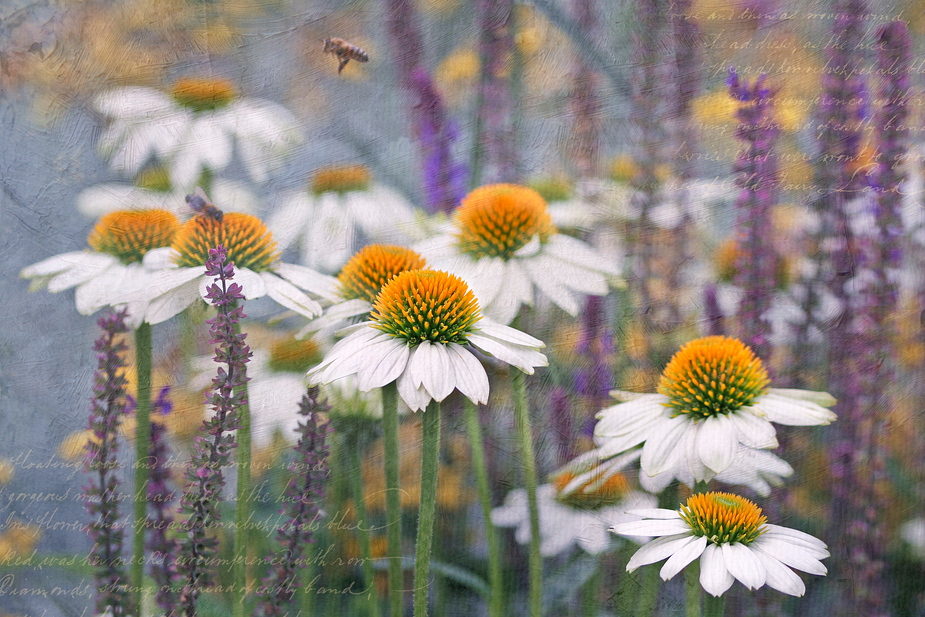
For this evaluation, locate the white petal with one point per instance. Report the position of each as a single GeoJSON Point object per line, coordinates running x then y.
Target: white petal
{"type": "Point", "coordinates": [780, 577]}
{"type": "Point", "coordinates": [823, 399]}
{"type": "Point", "coordinates": [345, 357]}
{"type": "Point", "coordinates": [754, 432]}
{"type": "Point", "coordinates": [507, 334]}
{"type": "Point", "coordinates": [656, 550]}
{"type": "Point", "coordinates": [795, 536]}
{"type": "Point", "coordinates": [577, 252]}
{"type": "Point", "coordinates": [311, 281]}
{"type": "Point", "coordinates": [252, 284]}
{"type": "Point", "coordinates": [162, 259]}
{"type": "Point", "coordinates": [789, 554]}
{"type": "Point", "coordinates": [716, 442]}
{"type": "Point", "coordinates": [290, 219]}
{"type": "Point", "coordinates": [289, 296]}
{"type": "Point", "coordinates": [625, 418]}
{"type": "Point", "coordinates": [653, 527]}
{"type": "Point", "coordinates": [440, 378]}
{"type": "Point", "coordinates": [743, 565]}
{"type": "Point", "coordinates": [683, 555]}
{"type": "Point", "coordinates": [416, 398]}
{"type": "Point", "coordinates": [205, 145]}
{"type": "Point", "coordinates": [172, 302]}
{"type": "Point", "coordinates": [794, 412]}
{"type": "Point", "coordinates": [524, 359]}
{"type": "Point", "coordinates": [66, 270]}
{"type": "Point", "coordinates": [557, 293]}
{"type": "Point", "coordinates": [661, 446]}
{"type": "Point", "coordinates": [714, 577]}
{"type": "Point", "coordinates": [133, 102]}
{"type": "Point", "coordinates": [514, 510]}
{"type": "Point", "coordinates": [384, 366]}
{"type": "Point", "coordinates": [471, 378]}
{"type": "Point", "coordinates": [105, 289]}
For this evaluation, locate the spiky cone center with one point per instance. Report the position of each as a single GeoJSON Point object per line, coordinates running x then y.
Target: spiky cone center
{"type": "Point", "coordinates": [247, 241]}
{"type": "Point", "coordinates": [292, 355]}
{"type": "Point", "coordinates": [340, 179]}
{"type": "Point", "coordinates": [372, 267]}
{"type": "Point", "coordinates": [500, 219]}
{"type": "Point", "coordinates": [426, 305]}
{"type": "Point", "coordinates": [128, 234]}
{"type": "Point", "coordinates": [594, 494]}
{"type": "Point", "coordinates": [156, 178]}
{"type": "Point", "coordinates": [711, 376]}
{"type": "Point", "coordinates": [723, 518]}
{"type": "Point", "coordinates": [203, 94]}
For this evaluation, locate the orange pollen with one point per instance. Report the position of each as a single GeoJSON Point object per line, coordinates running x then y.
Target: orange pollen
{"type": "Point", "coordinates": [723, 517]}
{"type": "Point", "coordinates": [372, 267]}
{"type": "Point", "coordinates": [596, 492]}
{"type": "Point", "coordinates": [713, 375]}
{"type": "Point", "coordinates": [499, 219]}
{"type": "Point", "coordinates": [340, 179]}
{"type": "Point", "coordinates": [248, 242]}
{"type": "Point", "coordinates": [203, 94]}
{"type": "Point", "coordinates": [426, 305]}
{"type": "Point", "coordinates": [129, 234]}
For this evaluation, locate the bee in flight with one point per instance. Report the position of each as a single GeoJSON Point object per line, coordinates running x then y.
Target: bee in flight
{"type": "Point", "coordinates": [200, 203]}
{"type": "Point", "coordinates": [345, 52]}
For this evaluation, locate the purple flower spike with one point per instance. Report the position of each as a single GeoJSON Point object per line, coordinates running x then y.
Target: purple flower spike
{"type": "Point", "coordinates": [106, 413]}
{"type": "Point", "coordinates": [756, 170]}
{"type": "Point", "coordinates": [216, 441]}
{"type": "Point", "coordinates": [304, 493]}
{"type": "Point", "coordinates": [160, 498]}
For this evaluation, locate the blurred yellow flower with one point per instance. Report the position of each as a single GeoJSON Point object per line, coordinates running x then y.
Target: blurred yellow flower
{"type": "Point", "coordinates": [6, 471]}
{"type": "Point", "coordinates": [20, 539]}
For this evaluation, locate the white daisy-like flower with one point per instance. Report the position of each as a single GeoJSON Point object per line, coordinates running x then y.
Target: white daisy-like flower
{"type": "Point", "coordinates": [418, 335]}
{"type": "Point", "coordinates": [340, 210]}
{"type": "Point", "coordinates": [733, 542]}
{"type": "Point", "coordinates": [104, 198]}
{"type": "Point", "coordinates": [504, 244]}
{"type": "Point", "coordinates": [176, 276]}
{"type": "Point", "coordinates": [583, 517]}
{"type": "Point", "coordinates": [714, 397]}
{"type": "Point", "coordinates": [353, 292]}
{"type": "Point", "coordinates": [194, 128]}
{"type": "Point", "coordinates": [102, 275]}
{"type": "Point", "coordinates": [913, 533]}
{"type": "Point", "coordinates": [757, 469]}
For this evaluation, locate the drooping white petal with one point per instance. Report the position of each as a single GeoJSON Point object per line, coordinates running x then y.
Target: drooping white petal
{"type": "Point", "coordinates": [415, 397]}
{"type": "Point", "coordinates": [571, 276]}
{"type": "Point", "coordinates": [812, 545]}
{"type": "Point", "coordinates": [714, 577]}
{"type": "Point", "coordinates": [288, 295]}
{"type": "Point", "coordinates": [780, 577]}
{"type": "Point", "coordinates": [345, 357]}
{"type": "Point", "coordinates": [653, 527]}
{"type": "Point", "coordinates": [512, 512]}
{"type": "Point", "coordinates": [471, 378]}
{"type": "Point", "coordinates": [555, 291]}
{"type": "Point", "coordinates": [335, 316]}
{"type": "Point", "coordinates": [753, 431]}
{"type": "Point", "coordinates": [716, 442]}
{"type": "Point", "coordinates": [789, 554]}
{"type": "Point", "coordinates": [523, 358]}
{"type": "Point", "coordinates": [68, 269]}
{"type": "Point", "coordinates": [205, 145]}
{"type": "Point", "coordinates": [823, 399]}
{"type": "Point", "coordinates": [794, 412]}
{"type": "Point", "coordinates": [579, 253]}
{"type": "Point", "coordinates": [105, 289]}
{"type": "Point", "coordinates": [626, 418]}
{"type": "Point", "coordinates": [161, 259]}
{"type": "Point", "coordinates": [683, 555]}
{"type": "Point", "coordinates": [322, 285]}
{"type": "Point", "coordinates": [656, 550]}
{"type": "Point", "coordinates": [661, 447]}
{"type": "Point", "coordinates": [133, 102]}
{"type": "Point", "coordinates": [290, 218]}
{"type": "Point", "coordinates": [507, 334]}
{"type": "Point", "coordinates": [172, 302]}
{"type": "Point", "coordinates": [743, 565]}
{"type": "Point", "coordinates": [387, 357]}
{"type": "Point", "coordinates": [440, 378]}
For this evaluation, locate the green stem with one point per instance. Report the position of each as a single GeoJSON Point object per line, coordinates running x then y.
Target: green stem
{"type": "Point", "coordinates": [355, 467]}
{"type": "Point", "coordinates": [692, 589]}
{"type": "Point", "coordinates": [430, 462]}
{"type": "Point", "coordinates": [392, 496]}
{"type": "Point", "coordinates": [142, 449]}
{"type": "Point", "coordinates": [242, 504]}
{"type": "Point", "coordinates": [308, 591]}
{"type": "Point", "coordinates": [713, 606]}
{"type": "Point", "coordinates": [589, 595]}
{"type": "Point", "coordinates": [480, 467]}
{"type": "Point", "coordinates": [528, 458]}
{"type": "Point", "coordinates": [648, 595]}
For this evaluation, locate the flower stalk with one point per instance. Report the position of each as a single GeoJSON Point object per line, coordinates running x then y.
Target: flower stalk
{"type": "Point", "coordinates": [107, 410]}
{"type": "Point", "coordinates": [430, 463]}
{"type": "Point", "coordinates": [142, 446]}
{"type": "Point", "coordinates": [304, 493]}
{"type": "Point", "coordinates": [528, 459]}
{"type": "Point", "coordinates": [213, 448]}
{"type": "Point", "coordinates": [392, 496]}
